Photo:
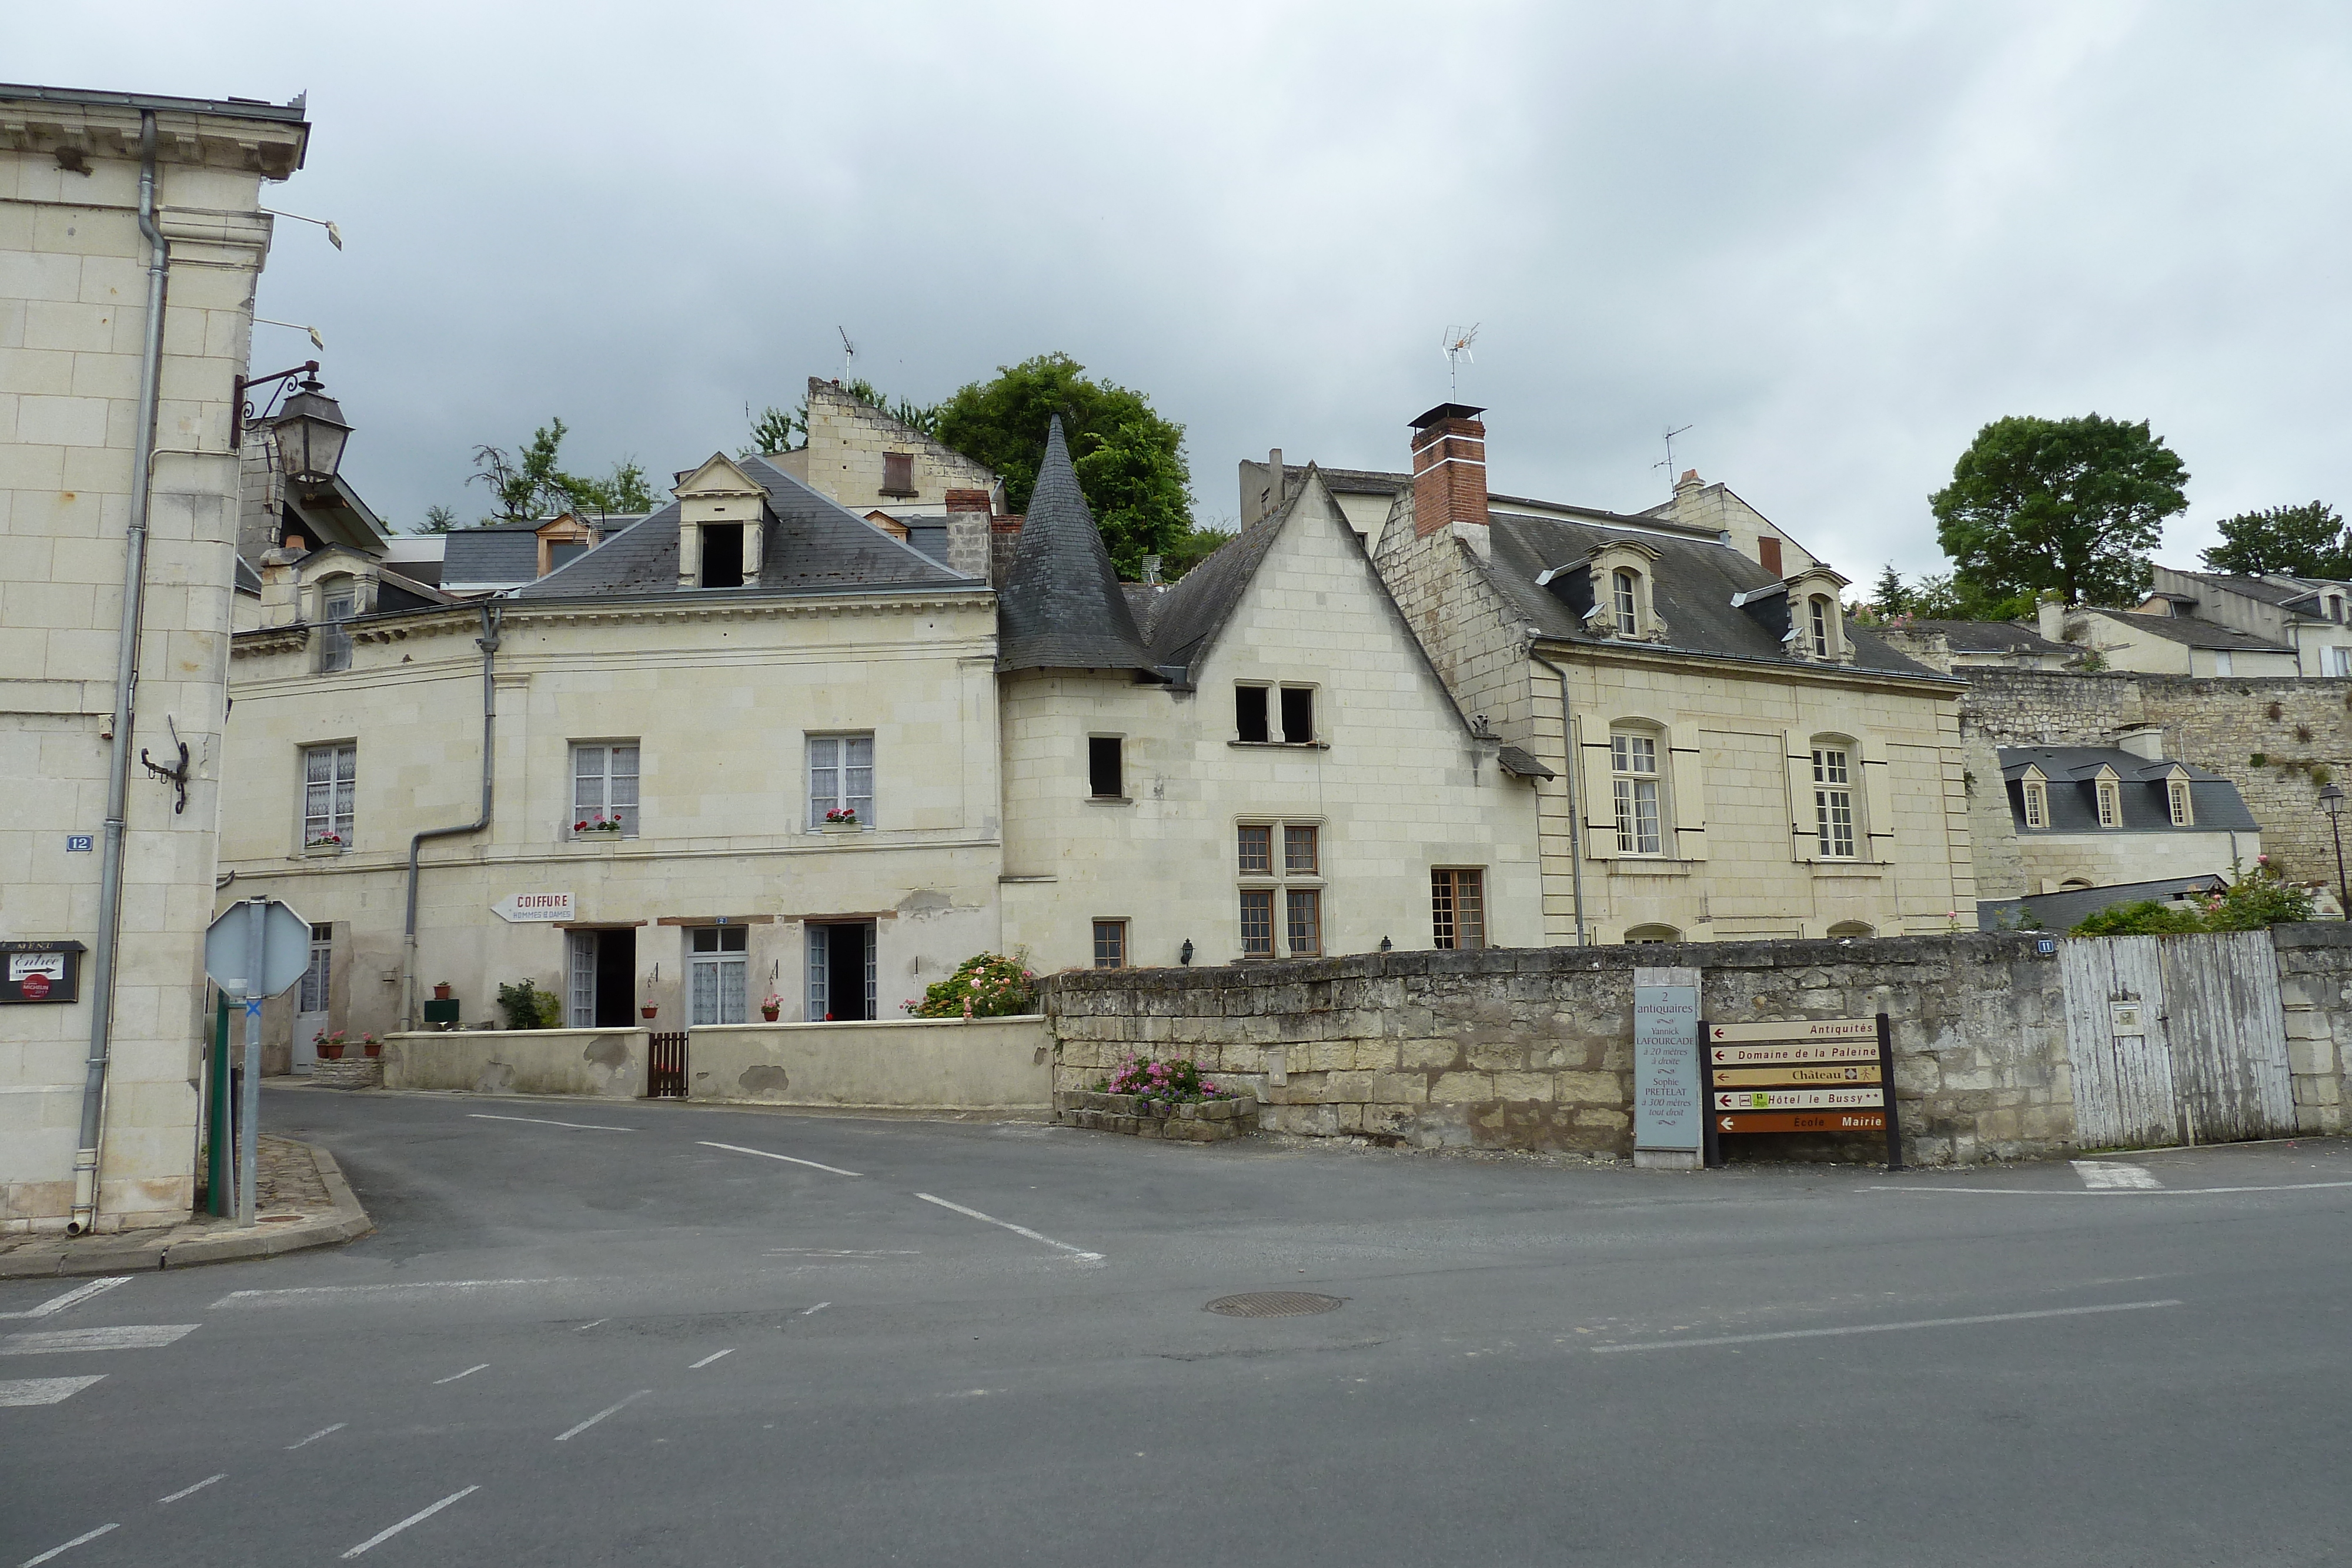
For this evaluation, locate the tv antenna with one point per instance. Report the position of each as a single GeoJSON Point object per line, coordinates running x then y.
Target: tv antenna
{"type": "Point", "coordinates": [849, 351]}
{"type": "Point", "coordinates": [1669, 464]}
{"type": "Point", "coordinates": [1457, 349]}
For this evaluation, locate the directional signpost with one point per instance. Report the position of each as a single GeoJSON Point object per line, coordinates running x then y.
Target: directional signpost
{"type": "Point", "coordinates": [254, 950]}
{"type": "Point", "coordinates": [1804, 1075]}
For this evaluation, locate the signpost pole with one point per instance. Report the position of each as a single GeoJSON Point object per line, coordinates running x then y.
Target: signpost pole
{"type": "Point", "coordinates": [1887, 1092]}
{"type": "Point", "coordinates": [1710, 1141]}
{"type": "Point", "coordinates": [217, 1165]}
{"type": "Point", "coordinates": [250, 1111]}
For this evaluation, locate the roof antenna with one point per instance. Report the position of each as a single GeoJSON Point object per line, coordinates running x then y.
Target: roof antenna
{"type": "Point", "coordinates": [1457, 349]}
{"type": "Point", "coordinates": [849, 351]}
{"type": "Point", "coordinates": [1669, 464]}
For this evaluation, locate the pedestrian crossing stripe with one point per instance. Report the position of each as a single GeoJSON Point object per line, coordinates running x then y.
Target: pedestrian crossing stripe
{"type": "Point", "coordinates": [43, 1390]}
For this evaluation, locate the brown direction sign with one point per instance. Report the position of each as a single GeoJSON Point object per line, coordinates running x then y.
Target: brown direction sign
{"type": "Point", "coordinates": [1843, 1096]}
{"type": "Point", "coordinates": [1783, 1077]}
{"type": "Point", "coordinates": [1799, 1121]}
{"type": "Point", "coordinates": [1805, 1029]}
{"type": "Point", "coordinates": [1781, 1053]}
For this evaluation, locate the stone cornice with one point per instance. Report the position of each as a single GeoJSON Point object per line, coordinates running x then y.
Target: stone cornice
{"type": "Point", "coordinates": [269, 640]}
{"type": "Point", "coordinates": [1568, 653]}
{"type": "Point", "coordinates": [269, 143]}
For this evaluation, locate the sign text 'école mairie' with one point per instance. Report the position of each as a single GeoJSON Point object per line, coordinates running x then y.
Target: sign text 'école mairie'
{"type": "Point", "coordinates": [1667, 1105]}
{"type": "Point", "coordinates": [516, 907]}
{"type": "Point", "coordinates": [1800, 1120]}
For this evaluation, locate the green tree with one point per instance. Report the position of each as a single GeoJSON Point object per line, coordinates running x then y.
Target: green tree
{"type": "Point", "coordinates": [2298, 541]}
{"type": "Point", "coordinates": [438, 521]}
{"type": "Point", "coordinates": [531, 484]}
{"type": "Point", "coordinates": [1130, 460]}
{"type": "Point", "coordinates": [2070, 504]}
{"type": "Point", "coordinates": [773, 430]}
{"type": "Point", "coordinates": [1942, 596]}
{"type": "Point", "coordinates": [1890, 597]}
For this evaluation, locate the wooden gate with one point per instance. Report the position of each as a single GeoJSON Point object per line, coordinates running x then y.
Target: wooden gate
{"type": "Point", "coordinates": [665, 1073]}
{"type": "Point", "coordinates": [2176, 1040]}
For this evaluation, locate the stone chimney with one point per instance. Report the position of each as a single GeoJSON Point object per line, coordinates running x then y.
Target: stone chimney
{"type": "Point", "coordinates": [2143, 741]}
{"type": "Point", "coordinates": [281, 590]}
{"type": "Point", "coordinates": [2050, 618]}
{"type": "Point", "coordinates": [1004, 538]}
{"type": "Point", "coordinates": [968, 533]}
{"type": "Point", "coordinates": [1277, 481]}
{"type": "Point", "coordinates": [1449, 469]}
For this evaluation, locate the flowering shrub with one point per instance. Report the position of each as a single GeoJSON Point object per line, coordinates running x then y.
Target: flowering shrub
{"type": "Point", "coordinates": [599, 824]}
{"type": "Point", "coordinates": [984, 985]}
{"type": "Point", "coordinates": [842, 817]}
{"type": "Point", "coordinates": [1171, 1081]}
{"type": "Point", "coordinates": [2261, 897]}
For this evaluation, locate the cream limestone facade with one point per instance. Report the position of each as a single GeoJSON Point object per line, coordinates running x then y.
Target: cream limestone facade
{"type": "Point", "coordinates": [74, 323]}
{"type": "Point", "coordinates": [850, 446]}
{"type": "Point", "coordinates": [1394, 784]}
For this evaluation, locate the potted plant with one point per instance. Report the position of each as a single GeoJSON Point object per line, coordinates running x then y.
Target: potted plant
{"type": "Point", "coordinates": [440, 990]}
{"type": "Point", "coordinates": [331, 1046]}
{"type": "Point", "coordinates": [771, 1006]}
{"type": "Point", "coordinates": [648, 1010]}
{"type": "Point", "coordinates": [842, 820]}
{"type": "Point", "coordinates": [597, 825]}
{"type": "Point", "coordinates": [326, 843]}
{"type": "Point", "coordinates": [371, 1046]}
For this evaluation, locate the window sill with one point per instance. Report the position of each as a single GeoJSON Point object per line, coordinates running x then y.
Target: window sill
{"type": "Point", "coordinates": [1648, 865]}
{"type": "Point", "coordinates": [1110, 801]}
{"type": "Point", "coordinates": [599, 838]}
{"type": "Point", "coordinates": [323, 851]}
{"type": "Point", "coordinates": [1846, 868]}
{"type": "Point", "coordinates": [1280, 745]}
{"type": "Point", "coordinates": [842, 829]}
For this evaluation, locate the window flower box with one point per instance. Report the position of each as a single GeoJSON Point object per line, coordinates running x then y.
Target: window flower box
{"type": "Point", "coordinates": [598, 827]}
{"type": "Point", "coordinates": [325, 844]}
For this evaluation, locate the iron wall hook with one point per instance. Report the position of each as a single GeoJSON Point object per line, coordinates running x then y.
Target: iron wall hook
{"type": "Point", "coordinates": [178, 775]}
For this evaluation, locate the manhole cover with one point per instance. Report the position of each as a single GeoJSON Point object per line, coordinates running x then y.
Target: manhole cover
{"type": "Point", "coordinates": [1274, 1304]}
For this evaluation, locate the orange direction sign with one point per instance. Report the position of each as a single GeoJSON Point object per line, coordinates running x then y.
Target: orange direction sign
{"type": "Point", "coordinates": [1798, 1099]}
{"type": "Point", "coordinates": [1800, 1120]}
{"type": "Point", "coordinates": [1777, 1077]}
{"type": "Point", "coordinates": [1778, 1055]}
{"type": "Point", "coordinates": [1794, 1029]}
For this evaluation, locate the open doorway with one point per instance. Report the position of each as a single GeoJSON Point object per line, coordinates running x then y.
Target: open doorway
{"type": "Point", "coordinates": [841, 971]}
{"type": "Point", "coordinates": [603, 979]}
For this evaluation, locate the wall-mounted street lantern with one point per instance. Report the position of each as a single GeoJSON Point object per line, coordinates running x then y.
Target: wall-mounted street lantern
{"type": "Point", "coordinates": [2331, 802]}
{"type": "Point", "coordinates": [308, 432]}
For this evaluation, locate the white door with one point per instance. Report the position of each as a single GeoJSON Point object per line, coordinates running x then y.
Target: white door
{"type": "Point", "coordinates": [311, 1018]}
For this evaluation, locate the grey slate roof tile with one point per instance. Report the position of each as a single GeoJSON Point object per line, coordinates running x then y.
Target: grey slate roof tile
{"type": "Point", "coordinates": [2072, 771]}
{"type": "Point", "coordinates": [1994, 637]}
{"type": "Point", "coordinates": [2195, 633]}
{"type": "Point", "coordinates": [1062, 607]}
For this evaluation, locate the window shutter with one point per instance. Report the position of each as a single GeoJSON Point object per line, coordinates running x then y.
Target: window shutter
{"type": "Point", "coordinates": [898, 473]}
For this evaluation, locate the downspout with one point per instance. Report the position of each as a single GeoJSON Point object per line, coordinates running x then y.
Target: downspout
{"type": "Point", "coordinates": [489, 643]}
{"type": "Point", "coordinates": [1575, 812]}
{"type": "Point", "coordinates": [126, 678]}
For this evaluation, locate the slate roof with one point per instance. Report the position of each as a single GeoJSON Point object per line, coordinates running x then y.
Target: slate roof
{"type": "Point", "coordinates": [2059, 912]}
{"type": "Point", "coordinates": [500, 555]}
{"type": "Point", "coordinates": [2073, 801]}
{"type": "Point", "coordinates": [1691, 584]}
{"type": "Point", "coordinates": [1062, 607]}
{"type": "Point", "coordinates": [2195, 633]}
{"type": "Point", "coordinates": [2262, 589]}
{"type": "Point", "coordinates": [1994, 637]}
{"type": "Point", "coordinates": [1522, 764]}
{"type": "Point", "coordinates": [1195, 609]}
{"type": "Point", "coordinates": [813, 545]}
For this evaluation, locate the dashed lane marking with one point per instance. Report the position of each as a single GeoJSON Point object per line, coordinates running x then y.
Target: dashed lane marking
{"type": "Point", "coordinates": [321, 1432]}
{"type": "Point", "coordinates": [72, 1298]}
{"type": "Point", "coordinates": [68, 1341]}
{"type": "Point", "coordinates": [454, 1376]}
{"type": "Point", "coordinates": [543, 1121]}
{"type": "Point", "coordinates": [620, 1405]}
{"type": "Point", "coordinates": [191, 1491]}
{"type": "Point", "coordinates": [44, 1390]}
{"type": "Point", "coordinates": [583, 1328]}
{"type": "Point", "coordinates": [2110, 1191]}
{"type": "Point", "coordinates": [1882, 1328]}
{"type": "Point", "coordinates": [816, 1309]}
{"type": "Point", "coordinates": [69, 1546]}
{"type": "Point", "coordinates": [1080, 1253]}
{"type": "Point", "coordinates": [714, 1355]}
{"type": "Point", "coordinates": [791, 1159]}
{"type": "Point", "coordinates": [2101, 1175]}
{"type": "Point", "coordinates": [305, 1295]}
{"type": "Point", "coordinates": [419, 1517]}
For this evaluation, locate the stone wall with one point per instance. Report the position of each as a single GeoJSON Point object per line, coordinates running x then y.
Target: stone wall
{"type": "Point", "coordinates": [2315, 964]}
{"type": "Point", "coordinates": [1533, 1048]}
{"type": "Point", "coordinates": [610, 1062]}
{"type": "Point", "coordinates": [909, 1064]}
{"type": "Point", "coordinates": [2220, 724]}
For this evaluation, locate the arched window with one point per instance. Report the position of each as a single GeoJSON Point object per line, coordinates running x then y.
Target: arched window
{"type": "Point", "coordinates": [1822, 611]}
{"type": "Point", "coordinates": [1853, 928]}
{"type": "Point", "coordinates": [1649, 935]}
{"type": "Point", "coordinates": [2184, 814]}
{"type": "Point", "coordinates": [2037, 803]}
{"type": "Point", "coordinates": [2075, 885]}
{"type": "Point", "coordinates": [1833, 809]}
{"type": "Point", "coordinates": [1634, 781]}
{"type": "Point", "coordinates": [1626, 589]}
{"type": "Point", "coordinates": [2111, 804]}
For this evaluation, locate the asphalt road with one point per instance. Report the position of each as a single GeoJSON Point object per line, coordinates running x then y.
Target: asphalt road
{"type": "Point", "coordinates": [621, 1341]}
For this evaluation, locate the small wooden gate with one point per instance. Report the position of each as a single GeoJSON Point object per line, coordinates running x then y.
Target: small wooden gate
{"type": "Point", "coordinates": [2176, 1040]}
{"type": "Point", "coordinates": [665, 1075]}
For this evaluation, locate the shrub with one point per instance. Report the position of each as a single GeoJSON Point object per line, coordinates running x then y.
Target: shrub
{"type": "Point", "coordinates": [984, 985]}
{"type": "Point", "coordinates": [528, 1007]}
{"type": "Point", "coordinates": [1174, 1081]}
{"type": "Point", "coordinates": [2148, 918]}
{"type": "Point", "coordinates": [2260, 898]}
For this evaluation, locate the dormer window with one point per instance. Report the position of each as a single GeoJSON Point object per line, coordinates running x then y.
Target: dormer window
{"type": "Point", "coordinates": [1616, 590]}
{"type": "Point", "coordinates": [722, 555]}
{"type": "Point", "coordinates": [2037, 803]}
{"type": "Point", "coordinates": [2335, 609]}
{"type": "Point", "coordinates": [1819, 606]}
{"type": "Point", "coordinates": [2111, 803]}
{"type": "Point", "coordinates": [1626, 598]}
{"type": "Point", "coordinates": [2184, 813]}
{"type": "Point", "coordinates": [722, 516]}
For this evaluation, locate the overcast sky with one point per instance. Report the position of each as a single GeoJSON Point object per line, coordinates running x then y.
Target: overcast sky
{"type": "Point", "coordinates": [1832, 239]}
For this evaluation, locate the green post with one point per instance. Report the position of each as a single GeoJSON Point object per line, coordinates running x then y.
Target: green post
{"type": "Point", "coordinates": [216, 1113]}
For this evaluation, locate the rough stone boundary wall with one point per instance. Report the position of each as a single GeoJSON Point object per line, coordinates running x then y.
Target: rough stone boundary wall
{"type": "Point", "coordinates": [2315, 964]}
{"type": "Point", "coordinates": [1532, 1048]}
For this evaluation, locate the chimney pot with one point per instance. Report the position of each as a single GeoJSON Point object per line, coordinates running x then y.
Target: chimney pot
{"type": "Point", "coordinates": [1449, 468]}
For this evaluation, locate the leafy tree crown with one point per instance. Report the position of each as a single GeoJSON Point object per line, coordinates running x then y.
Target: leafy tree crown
{"type": "Point", "coordinates": [2073, 504]}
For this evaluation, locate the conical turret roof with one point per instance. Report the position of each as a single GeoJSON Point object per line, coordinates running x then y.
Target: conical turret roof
{"type": "Point", "coordinates": [1061, 608]}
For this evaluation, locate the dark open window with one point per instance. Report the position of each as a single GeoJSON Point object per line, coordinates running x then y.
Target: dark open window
{"type": "Point", "coordinates": [1298, 715]}
{"type": "Point", "coordinates": [722, 555]}
{"type": "Point", "coordinates": [898, 473]}
{"type": "Point", "coordinates": [1103, 767]}
{"type": "Point", "coordinates": [1249, 713]}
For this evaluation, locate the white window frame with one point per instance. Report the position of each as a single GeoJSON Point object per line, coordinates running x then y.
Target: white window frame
{"type": "Point", "coordinates": [718, 982]}
{"type": "Point", "coordinates": [832, 766]}
{"type": "Point", "coordinates": [2037, 803]}
{"type": "Point", "coordinates": [1279, 881]}
{"type": "Point", "coordinates": [2110, 802]}
{"type": "Point", "coordinates": [611, 782]}
{"type": "Point", "coordinates": [1837, 825]}
{"type": "Point", "coordinates": [1635, 787]}
{"type": "Point", "coordinates": [332, 812]}
{"type": "Point", "coordinates": [1817, 610]}
{"type": "Point", "coordinates": [2182, 805]}
{"type": "Point", "coordinates": [339, 601]}
{"type": "Point", "coordinates": [1626, 599]}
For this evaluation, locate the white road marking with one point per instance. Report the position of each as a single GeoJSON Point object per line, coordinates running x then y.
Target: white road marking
{"type": "Point", "coordinates": [72, 1298]}
{"type": "Point", "coordinates": [2113, 1191]}
{"type": "Point", "coordinates": [190, 1491]}
{"type": "Point", "coordinates": [303, 1295]}
{"type": "Point", "coordinates": [43, 1390]}
{"type": "Point", "coordinates": [2103, 1174]}
{"type": "Point", "coordinates": [69, 1546]}
{"type": "Point", "coordinates": [739, 1149]}
{"type": "Point", "coordinates": [542, 1122]}
{"type": "Point", "coordinates": [321, 1432]}
{"type": "Point", "coordinates": [816, 1309]}
{"type": "Point", "coordinates": [583, 1328]}
{"type": "Point", "coordinates": [422, 1514]}
{"type": "Point", "coordinates": [454, 1376]}
{"type": "Point", "coordinates": [66, 1341]}
{"type": "Point", "coordinates": [567, 1437]}
{"type": "Point", "coordinates": [1881, 1328]}
{"type": "Point", "coordinates": [714, 1355]}
{"type": "Point", "coordinates": [840, 1253]}
{"type": "Point", "coordinates": [1080, 1253]}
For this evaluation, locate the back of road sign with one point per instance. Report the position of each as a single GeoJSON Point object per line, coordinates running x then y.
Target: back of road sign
{"type": "Point", "coordinates": [284, 950]}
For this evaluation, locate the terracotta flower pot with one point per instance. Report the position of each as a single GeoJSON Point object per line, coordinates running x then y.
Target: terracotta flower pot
{"type": "Point", "coordinates": [769, 1013]}
{"type": "Point", "coordinates": [441, 993]}
{"type": "Point", "coordinates": [374, 1047]}
{"type": "Point", "coordinates": [334, 1052]}
{"type": "Point", "coordinates": [649, 1010]}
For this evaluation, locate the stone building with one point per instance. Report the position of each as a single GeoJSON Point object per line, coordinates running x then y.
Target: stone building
{"type": "Point", "coordinates": [2309, 616]}
{"type": "Point", "coordinates": [131, 240]}
{"type": "Point", "coordinates": [911, 485]}
{"type": "Point", "coordinates": [1962, 647]}
{"type": "Point", "coordinates": [1732, 758]}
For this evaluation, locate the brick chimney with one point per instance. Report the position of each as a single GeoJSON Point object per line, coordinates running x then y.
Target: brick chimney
{"type": "Point", "coordinates": [1449, 468]}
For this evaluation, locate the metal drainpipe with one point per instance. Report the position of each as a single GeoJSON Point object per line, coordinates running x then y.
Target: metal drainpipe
{"type": "Point", "coordinates": [1575, 813]}
{"type": "Point", "coordinates": [489, 643]}
{"type": "Point", "coordinates": [126, 678]}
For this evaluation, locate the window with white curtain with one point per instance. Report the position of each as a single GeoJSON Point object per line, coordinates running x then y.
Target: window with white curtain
{"type": "Point", "coordinates": [840, 779]}
{"type": "Point", "coordinates": [329, 778]}
{"type": "Point", "coordinates": [717, 978]}
{"type": "Point", "coordinates": [604, 788]}
{"type": "Point", "coordinates": [1834, 801]}
{"type": "Point", "coordinates": [1634, 779]}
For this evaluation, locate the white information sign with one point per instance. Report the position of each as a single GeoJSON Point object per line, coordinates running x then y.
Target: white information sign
{"type": "Point", "coordinates": [518, 907]}
{"type": "Point", "coordinates": [52, 964]}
